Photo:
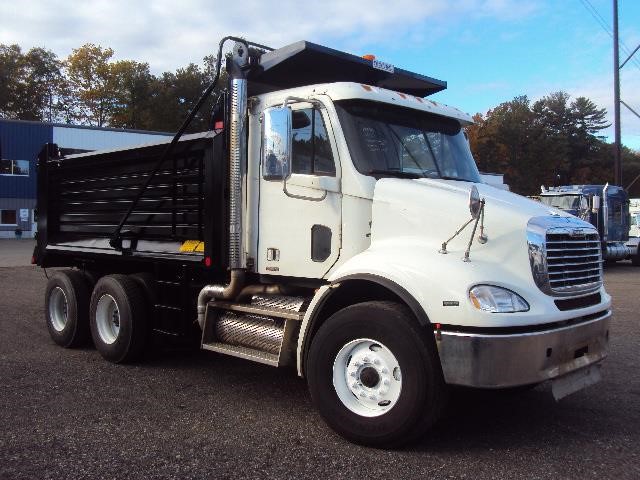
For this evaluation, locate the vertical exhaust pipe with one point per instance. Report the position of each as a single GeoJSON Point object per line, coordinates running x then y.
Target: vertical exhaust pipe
{"type": "Point", "coordinates": [237, 150]}
{"type": "Point", "coordinates": [605, 214]}
{"type": "Point", "coordinates": [237, 160]}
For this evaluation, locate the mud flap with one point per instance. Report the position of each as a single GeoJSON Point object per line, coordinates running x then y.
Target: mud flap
{"type": "Point", "coordinates": [575, 381]}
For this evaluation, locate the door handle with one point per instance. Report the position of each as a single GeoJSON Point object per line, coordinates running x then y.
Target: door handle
{"type": "Point", "coordinates": [302, 197]}
{"type": "Point", "coordinates": [314, 182]}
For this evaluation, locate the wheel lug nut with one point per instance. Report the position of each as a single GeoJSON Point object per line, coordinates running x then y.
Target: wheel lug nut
{"type": "Point", "coordinates": [377, 361]}
{"type": "Point", "coordinates": [384, 370]}
{"type": "Point", "coordinates": [385, 382]}
{"type": "Point", "coordinates": [366, 360]}
{"type": "Point", "coordinates": [355, 386]}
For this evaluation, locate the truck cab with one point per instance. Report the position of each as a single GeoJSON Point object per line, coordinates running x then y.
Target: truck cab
{"type": "Point", "coordinates": [336, 223]}
{"type": "Point", "coordinates": [604, 206]}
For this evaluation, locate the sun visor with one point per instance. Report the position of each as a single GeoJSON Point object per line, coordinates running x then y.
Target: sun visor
{"type": "Point", "coordinates": [305, 63]}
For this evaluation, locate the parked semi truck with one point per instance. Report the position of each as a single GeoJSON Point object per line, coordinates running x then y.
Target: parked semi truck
{"type": "Point", "coordinates": [634, 229]}
{"type": "Point", "coordinates": [333, 220]}
{"type": "Point", "coordinates": [604, 206]}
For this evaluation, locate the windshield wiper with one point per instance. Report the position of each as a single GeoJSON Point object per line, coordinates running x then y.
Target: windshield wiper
{"type": "Point", "coordinates": [395, 173]}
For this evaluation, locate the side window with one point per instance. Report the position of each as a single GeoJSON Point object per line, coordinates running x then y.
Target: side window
{"type": "Point", "coordinates": [311, 149]}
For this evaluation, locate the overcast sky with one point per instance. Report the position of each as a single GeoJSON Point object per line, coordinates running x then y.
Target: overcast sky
{"type": "Point", "coordinates": [487, 50]}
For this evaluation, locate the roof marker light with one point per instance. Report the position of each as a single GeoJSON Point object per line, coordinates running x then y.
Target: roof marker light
{"type": "Point", "coordinates": [369, 56]}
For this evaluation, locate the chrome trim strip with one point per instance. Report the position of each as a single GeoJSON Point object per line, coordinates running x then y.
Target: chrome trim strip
{"type": "Point", "coordinates": [607, 314]}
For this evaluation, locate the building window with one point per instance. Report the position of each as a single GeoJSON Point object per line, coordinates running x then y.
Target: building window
{"type": "Point", "coordinates": [8, 217]}
{"type": "Point", "coordinates": [14, 167]}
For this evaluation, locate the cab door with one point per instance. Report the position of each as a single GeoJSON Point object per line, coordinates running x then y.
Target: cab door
{"type": "Point", "coordinates": [300, 217]}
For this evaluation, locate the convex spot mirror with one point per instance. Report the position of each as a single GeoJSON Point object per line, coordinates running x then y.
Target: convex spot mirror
{"type": "Point", "coordinates": [474, 202]}
{"type": "Point", "coordinates": [276, 143]}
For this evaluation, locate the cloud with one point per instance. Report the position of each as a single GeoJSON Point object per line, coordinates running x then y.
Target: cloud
{"type": "Point", "coordinates": [169, 34]}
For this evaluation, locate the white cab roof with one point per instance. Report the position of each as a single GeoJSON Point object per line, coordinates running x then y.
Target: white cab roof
{"type": "Point", "coordinates": [350, 90]}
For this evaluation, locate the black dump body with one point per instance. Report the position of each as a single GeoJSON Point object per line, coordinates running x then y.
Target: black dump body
{"type": "Point", "coordinates": [181, 215]}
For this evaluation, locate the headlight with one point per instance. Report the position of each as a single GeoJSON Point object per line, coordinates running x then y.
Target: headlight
{"type": "Point", "coordinates": [489, 298]}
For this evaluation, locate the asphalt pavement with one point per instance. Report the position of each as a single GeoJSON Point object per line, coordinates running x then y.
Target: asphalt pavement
{"type": "Point", "coordinates": [191, 414]}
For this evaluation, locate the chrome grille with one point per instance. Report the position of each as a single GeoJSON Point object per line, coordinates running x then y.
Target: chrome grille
{"type": "Point", "coordinates": [574, 260]}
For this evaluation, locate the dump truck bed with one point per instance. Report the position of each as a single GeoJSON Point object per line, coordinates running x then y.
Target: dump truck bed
{"type": "Point", "coordinates": [83, 198]}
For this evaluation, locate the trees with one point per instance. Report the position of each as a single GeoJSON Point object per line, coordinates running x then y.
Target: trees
{"type": "Point", "coordinates": [134, 89]}
{"type": "Point", "coordinates": [93, 85]}
{"type": "Point", "coordinates": [552, 141]}
{"type": "Point", "coordinates": [32, 83]}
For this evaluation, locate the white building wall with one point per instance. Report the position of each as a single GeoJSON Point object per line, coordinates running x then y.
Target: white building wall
{"type": "Point", "coordinates": [99, 139]}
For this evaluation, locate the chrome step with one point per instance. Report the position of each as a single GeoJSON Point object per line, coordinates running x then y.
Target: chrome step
{"type": "Point", "coordinates": [258, 310]}
{"type": "Point", "coordinates": [243, 352]}
{"type": "Point", "coordinates": [264, 331]}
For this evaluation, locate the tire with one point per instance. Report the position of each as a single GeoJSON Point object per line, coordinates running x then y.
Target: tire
{"type": "Point", "coordinates": [118, 320]}
{"type": "Point", "coordinates": [381, 347]}
{"type": "Point", "coordinates": [66, 308]}
{"type": "Point", "coordinates": [635, 259]}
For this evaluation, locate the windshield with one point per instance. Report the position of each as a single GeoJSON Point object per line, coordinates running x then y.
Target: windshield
{"type": "Point", "coordinates": [563, 202]}
{"type": "Point", "coordinates": [385, 140]}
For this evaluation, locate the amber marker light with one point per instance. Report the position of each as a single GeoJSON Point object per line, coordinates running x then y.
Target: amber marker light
{"type": "Point", "coordinates": [475, 301]}
{"type": "Point", "coordinates": [369, 56]}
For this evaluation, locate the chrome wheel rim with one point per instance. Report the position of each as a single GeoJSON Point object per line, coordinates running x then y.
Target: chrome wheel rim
{"type": "Point", "coordinates": [367, 377]}
{"type": "Point", "coordinates": [108, 319]}
{"type": "Point", "coordinates": [58, 309]}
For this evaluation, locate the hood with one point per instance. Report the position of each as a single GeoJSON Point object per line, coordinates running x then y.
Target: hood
{"type": "Point", "coordinates": [436, 209]}
{"type": "Point", "coordinates": [420, 215]}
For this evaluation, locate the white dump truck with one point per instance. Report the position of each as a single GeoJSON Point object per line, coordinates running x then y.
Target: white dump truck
{"type": "Point", "coordinates": [333, 220]}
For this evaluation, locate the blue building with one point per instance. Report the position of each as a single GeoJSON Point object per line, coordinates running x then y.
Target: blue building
{"type": "Point", "coordinates": [20, 143]}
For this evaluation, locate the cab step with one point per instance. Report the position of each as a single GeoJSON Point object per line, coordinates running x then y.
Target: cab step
{"type": "Point", "coordinates": [265, 330]}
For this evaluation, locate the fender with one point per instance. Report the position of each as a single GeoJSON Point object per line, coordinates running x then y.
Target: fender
{"type": "Point", "coordinates": [325, 294]}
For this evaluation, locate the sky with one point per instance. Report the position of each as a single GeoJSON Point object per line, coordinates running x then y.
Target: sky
{"type": "Point", "coordinates": [488, 51]}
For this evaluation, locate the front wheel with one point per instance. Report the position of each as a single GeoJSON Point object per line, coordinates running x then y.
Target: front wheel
{"type": "Point", "coordinates": [375, 376]}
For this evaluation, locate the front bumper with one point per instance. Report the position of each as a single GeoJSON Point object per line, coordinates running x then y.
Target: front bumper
{"type": "Point", "coordinates": [501, 361]}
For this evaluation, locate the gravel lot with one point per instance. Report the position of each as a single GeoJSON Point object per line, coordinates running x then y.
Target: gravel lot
{"type": "Point", "coordinates": [179, 414]}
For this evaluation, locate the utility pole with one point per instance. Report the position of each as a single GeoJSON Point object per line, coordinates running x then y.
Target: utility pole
{"type": "Point", "coordinates": [616, 98]}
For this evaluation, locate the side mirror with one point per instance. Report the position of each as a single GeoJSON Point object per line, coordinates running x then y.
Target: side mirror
{"type": "Point", "coordinates": [474, 202]}
{"type": "Point", "coordinates": [276, 143]}
{"type": "Point", "coordinates": [595, 204]}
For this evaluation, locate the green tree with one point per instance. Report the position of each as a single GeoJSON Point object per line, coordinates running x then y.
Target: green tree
{"type": "Point", "coordinates": [31, 84]}
{"type": "Point", "coordinates": [133, 90]}
{"type": "Point", "coordinates": [11, 71]}
{"type": "Point", "coordinates": [175, 95]}
{"type": "Point", "coordinates": [554, 141]}
{"type": "Point", "coordinates": [93, 88]}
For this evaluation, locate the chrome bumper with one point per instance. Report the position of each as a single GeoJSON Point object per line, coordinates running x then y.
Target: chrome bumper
{"type": "Point", "coordinates": [500, 361]}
